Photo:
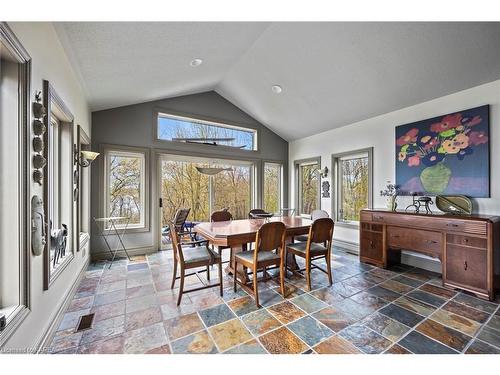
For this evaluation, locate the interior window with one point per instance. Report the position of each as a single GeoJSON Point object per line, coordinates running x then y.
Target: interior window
{"type": "Point", "coordinates": [272, 187]}
{"type": "Point", "coordinates": [308, 187]}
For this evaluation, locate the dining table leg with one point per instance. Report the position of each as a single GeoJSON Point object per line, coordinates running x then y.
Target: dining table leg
{"type": "Point", "coordinates": [291, 261]}
{"type": "Point", "coordinates": [241, 271]}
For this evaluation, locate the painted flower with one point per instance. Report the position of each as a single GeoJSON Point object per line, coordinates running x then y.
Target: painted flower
{"type": "Point", "coordinates": [414, 161]}
{"type": "Point", "coordinates": [450, 147]}
{"type": "Point", "coordinates": [432, 158]}
{"type": "Point", "coordinates": [461, 140]}
{"type": "Point", "coordinates": [402, 156]}
{"type": "Point", "coordinates": [409, 137]}
{"type": "Point", "coordinates": [478, 138]}
{"type": "Point", "coordinates": [475, 120]}
{"type": "Point", "coordinates": [448, 122]}
{"type": "Point", "coordinates": [464, 152]}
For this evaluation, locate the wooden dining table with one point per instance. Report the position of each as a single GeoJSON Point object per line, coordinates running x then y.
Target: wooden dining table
{"type": "Point", "coordinates": [237, 234]}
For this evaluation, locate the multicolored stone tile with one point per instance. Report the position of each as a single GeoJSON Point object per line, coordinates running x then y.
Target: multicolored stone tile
{"type": "Point", "coordinates": [327, 295]}
{"type": "Point", "coordinates": [108, 311]}
{"type": "Point", "coordinates": [183, 325]}
{"type": "Point", "coordinates": [229, 334]}
{"type": "Point", "coordinates": [404, 316]}
{"type": "Point", "coordinates": [310, 330]}
{"type": "Point", "coordinates": [345, 290]}
{"type": "Point", "coordinates": [359, 282]}
{"type": "Point", "coordinates": [81, 303]}
{"type": "Point", "coordinates": [334, 319]}
{"type": "Point", "coordinates": [494, 322]}
{"type": "Point", "coordinates": [397, 349]}
{"type": "Point", "coordinates": [466, 311]}
{"type": "Point", "coordinates": [408, 281]}
{"type": "Point", "coordinates": [111, 287]}
{"type": "Point", "coordinates": [286, 312]}
{"type": "Point", "coordinates": [445, 335]}
{"type": "Point", "coordinates": [365, 339]}
{"type": "Point", "coordinates": [140, 303]}
{"type": "Point", "coordinates": [415, 306]}
{"type": "Point", "coordinates": [64, 340]}
{"type": "Point", "coordinates": [215, 315]}
{"type": "Point", "coordinates": [383, 293]}
{"type": "Point", "coordinates": [385, 326]}
{"type": "Point", "coordinates": [268, 297]}
{"type": "Point", "coordinates": [144, 339]}
{"type": "Point", "coordinates": [243, 306]}
{"type": "Point", "coordinates": [476, 303]}
{"type": "Point", "coordinates": [282, 341]}
{"type": "Point", "coordinates": [112, 345]}
{"type": "Point", "coordinates": [309, 303]}
{"type": "Point", "coordinates": [143, 318]}
{"type": "Point", "coordinates": [420, 344]}
{"type": "Point", "coordinates": [421, 274]}
{"type": "Point", "coordinates": [197, 343]}
{"type": "Point", "coordinates": [336, 345]}
{"type": "Point", "coordinates": [428, 298]}
{"type": "Point", "coordinates": [111, 297]}
{"type": "Point", "coordinates": [70, 319]}
{"type": "Point", "coordinates": [104, 329]}
{"type": "Point", "coordinates": [480, 347]}
{"type": "Point", "coordinates": [250, 347]}
{"type": "Point", "coordinates": [163, 349]}
{"type": "Point", "coordinates": [383, 273]}
{"type": "Point", "coordinates": [205, 300]}
{"type": "Point", "coordinates": [396, 286]}
{"type": "Point", "coordinates": [354, 309]}
{"type": "Point", "coordinates": [460, 323]}
{"type": "Point", "coordinates": [438, 291]}
{"type": "Point", "coordinates": [490, 335]}
{"type": "Point", "coordinates": [140, 291]}
{"type": "Point", "coordinates": [260, 322]}
{"type": "Point", "coordinates": [368, 300]}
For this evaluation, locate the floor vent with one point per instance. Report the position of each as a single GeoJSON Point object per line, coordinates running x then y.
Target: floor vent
{"type": "Point", "coordinates": [85, 322]}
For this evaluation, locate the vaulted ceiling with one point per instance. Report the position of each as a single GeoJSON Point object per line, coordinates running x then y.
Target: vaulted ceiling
{"type": "Point", "coordinates": [332, 74]}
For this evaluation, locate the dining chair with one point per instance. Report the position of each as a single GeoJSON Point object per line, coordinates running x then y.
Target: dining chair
{"type": "Point", "coordinates": [179, 220]}
{"type": "Point", "coordinates": [316, 214]}
{"type": "Point", "coordinates": [269, 238]}
{"type": "Point", "coordinates": [317, 246]}
{"type": "Point", "coordinates": [191, 255]}
{"type": "Point", "coordinates": [221, 215]}
{"type": "Point", "coordinates": [253, 213]}
{"type": "Point", "coordinates": [287, 211]}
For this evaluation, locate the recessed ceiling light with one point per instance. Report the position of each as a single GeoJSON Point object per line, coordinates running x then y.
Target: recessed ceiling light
{"type": "Point", "coordinates": [277, 89]}
{"type": "Point", "coordinates": [196, 62]}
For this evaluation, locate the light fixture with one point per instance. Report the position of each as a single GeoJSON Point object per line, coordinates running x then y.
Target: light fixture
{"type": "Point", "coordinates": [196, 62]}
{"type": "Point", "coordinates": [85, 157]}
{"type": "Point", "coordinates": [277, 89]}
{"type": "Point", "coordinates": [212, 171]}
{"type": "Point", "coordinates": [323, 172]}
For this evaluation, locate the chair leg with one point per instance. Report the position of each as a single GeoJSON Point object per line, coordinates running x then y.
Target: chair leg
{"type": "Point", "coordinates": [329, 268]}
{"type": "Point", "coordinates": [208, 273]}
{"type": "Point", "coordinates": [174, 275]}
{"type": "Point", "coordinates": [234, 274]}
{"type": "Point", "coordinates": [282, 277]}
{"type": "Point", "coordinates": [308, 274]}
{"type": "Point", "coordinates": [181, 287]}
{"type": "Point", "coordinates": [220, 278]}
{"type": "Point", "coordinates": [255, 289]}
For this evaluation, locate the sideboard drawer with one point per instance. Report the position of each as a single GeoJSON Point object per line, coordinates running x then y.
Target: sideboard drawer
{"type": "Point", "coordinates": [459, 239]}
{"type": "Point", "coordinates": [371, 245]}
{"type": "Point", "coordinates": [414, 239]}
{"type": "Point", "coordinates": [366, 216]}
{"type": "Point", "coordinates": [467, 266]}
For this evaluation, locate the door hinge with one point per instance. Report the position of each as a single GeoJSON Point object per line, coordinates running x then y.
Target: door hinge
{"type": "Point", "coordinates": [161, 202]}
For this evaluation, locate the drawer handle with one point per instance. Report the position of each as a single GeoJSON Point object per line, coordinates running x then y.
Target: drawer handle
{"type": "Point", "coordinates": [466, 240]}
{"type": "Point", "coordinates": [453, 225]}
{"type": "Point", "coordinates": [378, 217]}
{"type": "Point", "coordinates": [431, 241]}
{"type": "Point", "coordinates": [372, 245]}
{"type": "Point", "coordinates": [465, 266]}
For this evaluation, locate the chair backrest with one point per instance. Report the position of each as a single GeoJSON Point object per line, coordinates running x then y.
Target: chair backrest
{"type": "Point", "coordinates": [180, 217]}
{"type": "Point", "coordinates": [319, 214]}
{"type": "Point", "coordinates": [176, 243]}
{"type": "Point", "coordinates": [321, 231]}
{"type": "Point", "coordinates": [287, 211]}
{"type": "Point", "coordinates": [256, 211]}
{"type": "Point", "coordinates": [222, 215]}
{"type": "Point", "coordinates": [270, 236]}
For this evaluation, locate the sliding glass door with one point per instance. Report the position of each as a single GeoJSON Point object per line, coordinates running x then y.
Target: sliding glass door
{"type": "Point", "coordinates": [184, 186]}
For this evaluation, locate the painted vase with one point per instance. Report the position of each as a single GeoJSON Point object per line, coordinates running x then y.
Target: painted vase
{"type": "Point", "coordinates": [391, 203]}
{"type": "Point", "coordinates": [435, 179]}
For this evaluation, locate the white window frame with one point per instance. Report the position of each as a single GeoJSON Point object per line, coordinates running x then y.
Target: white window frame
{"type": "Point", "coordinates": [280, 177]}
{"type": "Point", "coordinates": [199, 120]}
{"type": "Point", "coordinates": [337, 183]}
{"type": "Point", "coordinates": [298, 185]}
{"type": "Point", "coordinates": [132, 152]}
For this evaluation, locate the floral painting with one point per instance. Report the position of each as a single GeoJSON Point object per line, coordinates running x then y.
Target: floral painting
{"type": "Point", "coordinates": [445, 155]}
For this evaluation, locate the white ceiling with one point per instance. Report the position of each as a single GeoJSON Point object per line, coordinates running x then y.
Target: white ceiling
{"type": "Point", "coordinates": [332, 74]}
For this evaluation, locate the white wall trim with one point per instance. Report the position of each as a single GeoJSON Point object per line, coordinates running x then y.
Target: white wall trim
{"type": "Point", "coordinates": [105, 255]}
{"type": "Point", "coordinates": [43, 342]}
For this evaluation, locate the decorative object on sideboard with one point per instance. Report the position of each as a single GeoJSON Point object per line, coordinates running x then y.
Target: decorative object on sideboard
{"type": "Point", "coordinates": [58, 240]}
{"type": "Point", "coordinates": [454, 204]}
{"type": "Point", "coordinates": [445, 155]}
{"type": "Point", "coordinates": [323, 173]}
{"type": "Point", "coordinates": [325, 189]}
{"type": "Point", "coordinates": [39, 161]}
{"type": "Point", "coordinates": [391, 192]}
{"type": "Point", "coordinates": [38, 239]}
{"type": "Point", "coordinates": [417, 204]}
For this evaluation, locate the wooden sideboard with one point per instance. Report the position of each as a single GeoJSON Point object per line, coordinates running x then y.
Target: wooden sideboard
{"type": "Point", "coordinates": [467, 246]}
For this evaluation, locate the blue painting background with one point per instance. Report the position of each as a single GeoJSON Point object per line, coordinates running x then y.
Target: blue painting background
{"type": "Point", "coordinates": [470, 176]}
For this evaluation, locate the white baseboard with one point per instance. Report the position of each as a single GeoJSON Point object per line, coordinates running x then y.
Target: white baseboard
{"type": "Point", "coordinates": [43, 341]}
{"type": "Point", "coordinates": [105, 255]}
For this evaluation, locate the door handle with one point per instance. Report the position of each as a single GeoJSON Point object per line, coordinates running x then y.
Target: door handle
{"type": "Point", "coordinates": [372, 245]}
{"type": "Point", "coordinates": [465, 266]}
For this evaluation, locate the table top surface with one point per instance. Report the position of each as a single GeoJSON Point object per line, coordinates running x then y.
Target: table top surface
{"type": "Point", "coordinates": [224, 229]}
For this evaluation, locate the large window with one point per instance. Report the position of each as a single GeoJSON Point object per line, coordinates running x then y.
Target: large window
{"type": "Point", "coordinates": [125, 187]}
{"type": "Point", "coordinates": [272, 187]}
{"type": "Point", "coordinates": [353, 184]}
{"type": "Point", "coordinates": [196, 131]}
{"type": "Point", "coordinates": [307, 173]}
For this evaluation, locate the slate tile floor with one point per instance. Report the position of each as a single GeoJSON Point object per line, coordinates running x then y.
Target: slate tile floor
{"type": "Point", "coordinates": [367, 310]}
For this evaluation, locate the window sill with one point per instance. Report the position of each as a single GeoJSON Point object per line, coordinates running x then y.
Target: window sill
{"type": "Point", "coordinates": [84, 239]}
{"type": "Point", "coordinates": [347, 224]}
{"type": "Point", "coordinates": [15, 316]}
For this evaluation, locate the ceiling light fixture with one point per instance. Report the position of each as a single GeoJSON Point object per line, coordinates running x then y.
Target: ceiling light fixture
{"type": "Point", "coordinates": [277, 89]}
{"type": "Point", "coordinates": [196, 62]}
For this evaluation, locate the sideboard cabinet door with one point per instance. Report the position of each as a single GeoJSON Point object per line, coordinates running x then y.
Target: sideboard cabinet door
{"type": "Point", "coordinates": [467, 266]}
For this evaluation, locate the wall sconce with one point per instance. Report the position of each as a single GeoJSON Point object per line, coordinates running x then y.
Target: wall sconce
{"type": "Point", "coordinates": [85, 157]}
{"type": "Point", "coordinates": [323, 172]}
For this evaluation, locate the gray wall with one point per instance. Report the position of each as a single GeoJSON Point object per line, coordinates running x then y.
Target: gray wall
{"type": "Point", "coordinates": [135, 125]}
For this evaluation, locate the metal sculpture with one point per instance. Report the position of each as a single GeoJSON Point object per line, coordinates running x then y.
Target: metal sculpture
{"type": "Point", "coordinates": [420, 202]}
{"type": "Point", "coordinates": [38, 239]}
